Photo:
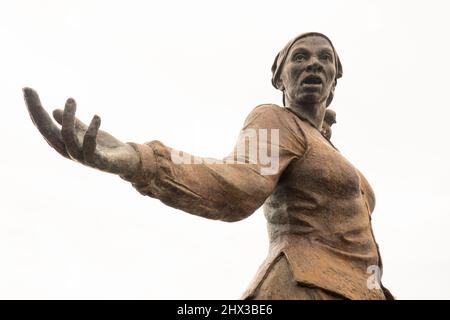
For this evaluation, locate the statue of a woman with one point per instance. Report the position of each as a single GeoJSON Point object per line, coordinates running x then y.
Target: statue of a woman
{"type": "Point", "coordinates": [318, 206]}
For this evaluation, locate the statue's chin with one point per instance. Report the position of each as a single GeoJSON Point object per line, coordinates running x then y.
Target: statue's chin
{"type": "Point", "coordinates": [310, 98]}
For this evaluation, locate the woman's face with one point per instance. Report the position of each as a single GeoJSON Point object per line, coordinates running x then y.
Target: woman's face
{"type": "Point", "coordinates": [309, 71]}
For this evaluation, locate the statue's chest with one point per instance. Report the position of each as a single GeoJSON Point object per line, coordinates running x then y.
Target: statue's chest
{"type": "Point", "coordinates": [324, 170]}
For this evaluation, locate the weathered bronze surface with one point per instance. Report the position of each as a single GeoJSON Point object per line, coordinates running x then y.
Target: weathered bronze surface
{"type": "Point", "coordinates": [318, 206]}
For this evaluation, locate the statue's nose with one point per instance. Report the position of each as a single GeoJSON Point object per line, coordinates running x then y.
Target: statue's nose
{"type": "Point", "coordinates": [314, 66]}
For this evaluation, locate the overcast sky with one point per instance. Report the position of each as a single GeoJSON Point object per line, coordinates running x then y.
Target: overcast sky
{"type": "Point", "coordinates": [187, 73]}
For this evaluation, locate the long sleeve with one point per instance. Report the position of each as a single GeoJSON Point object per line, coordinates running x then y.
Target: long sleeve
{"type": "Point", "coordinates": [230, 189]}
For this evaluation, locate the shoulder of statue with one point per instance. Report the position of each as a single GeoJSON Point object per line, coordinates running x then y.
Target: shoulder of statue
{"type": "Point", "coordinates": [267, 112]}
{"type": "Point", "coordinates": [269, 107]}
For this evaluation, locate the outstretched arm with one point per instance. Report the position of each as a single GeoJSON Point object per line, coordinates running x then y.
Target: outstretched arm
{"type": "Point", "coordinates": [228, 190]}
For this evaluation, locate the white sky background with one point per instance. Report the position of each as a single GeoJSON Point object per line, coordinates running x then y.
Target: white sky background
{"type": "Point", "coordinates": [187, 73]}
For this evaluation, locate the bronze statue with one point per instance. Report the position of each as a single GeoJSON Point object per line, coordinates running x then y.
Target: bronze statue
{"type": "Point", "coordinates": [318, 206]}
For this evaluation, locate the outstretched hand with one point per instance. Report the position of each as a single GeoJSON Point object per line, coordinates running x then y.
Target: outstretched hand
{"type": "Point", "coordinates": [79, 142]}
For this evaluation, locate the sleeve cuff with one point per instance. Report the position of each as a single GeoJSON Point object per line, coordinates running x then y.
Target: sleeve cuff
{"type": "Point", "coordinates": [147, 164]}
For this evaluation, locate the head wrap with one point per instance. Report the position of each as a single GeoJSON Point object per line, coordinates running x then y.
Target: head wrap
{"type": "Point", "coordinates": [280, 59]}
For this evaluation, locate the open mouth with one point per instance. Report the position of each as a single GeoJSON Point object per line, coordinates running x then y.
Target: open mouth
{"type": "Point", "coordinates": [312, 80]}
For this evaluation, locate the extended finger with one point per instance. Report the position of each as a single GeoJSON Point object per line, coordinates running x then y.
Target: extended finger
{"type": "Point", "coordinates": [43, 122]}
{"type": "Point", "coordinates": [79, 125]}
{"type": "Point", "coordinates": [103, 137]}
{"type": "Point", "coordinates": [68, 130]}
{"type": "Point", "coordinates": [90, 140]}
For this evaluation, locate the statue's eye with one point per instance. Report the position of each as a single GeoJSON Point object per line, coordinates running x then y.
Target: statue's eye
{"type": "Point", "coordinates": [299, 57]}
{"type": "Point", "coordinates": [325, 56]}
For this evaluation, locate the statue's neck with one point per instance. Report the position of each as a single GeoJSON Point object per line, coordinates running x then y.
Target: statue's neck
{"type": "Point", "coordinates": [314, 113]}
